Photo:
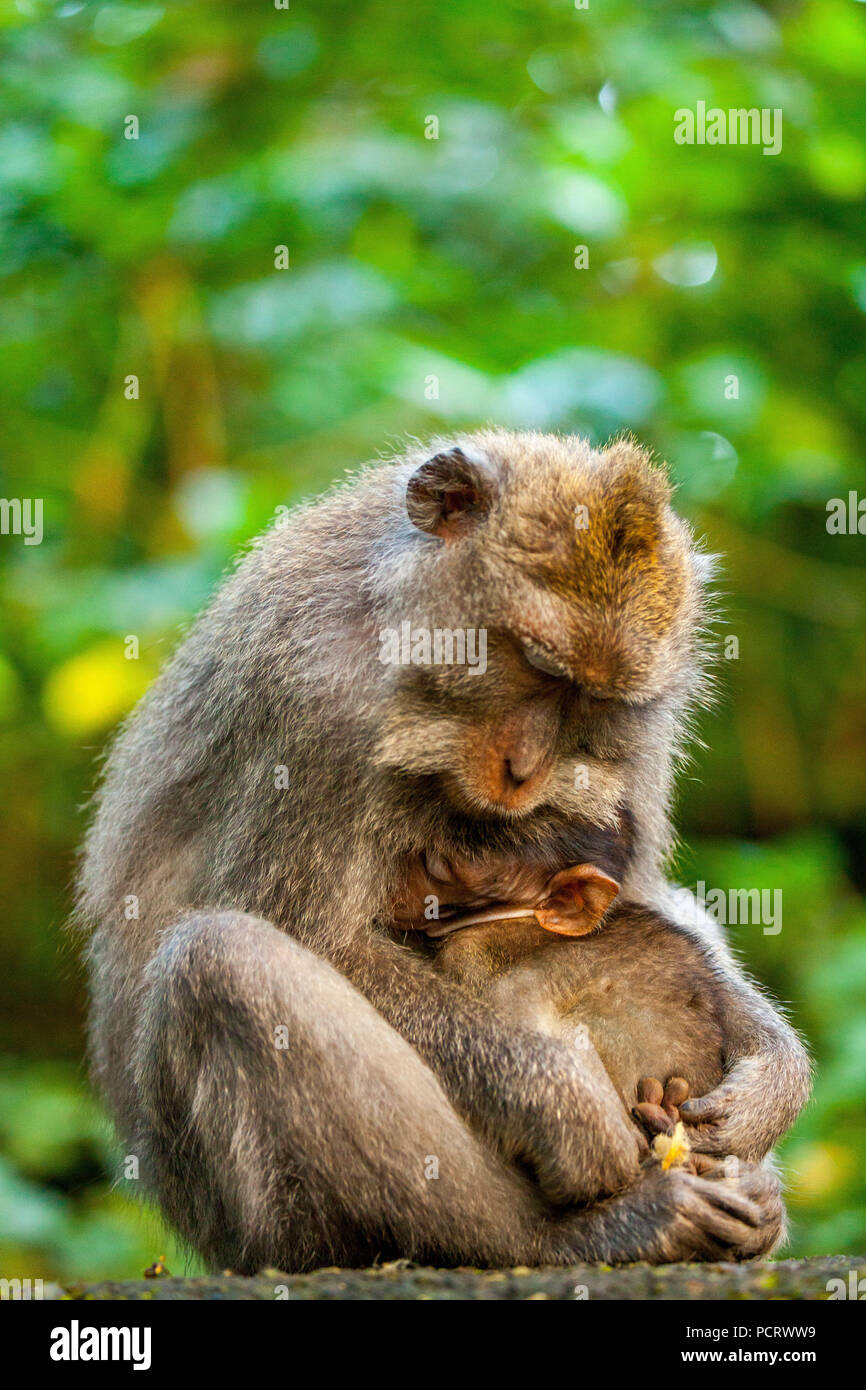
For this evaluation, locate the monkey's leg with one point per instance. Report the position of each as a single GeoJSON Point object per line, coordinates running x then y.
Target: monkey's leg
{"type": "Point", "coordinates": [286, 1123]}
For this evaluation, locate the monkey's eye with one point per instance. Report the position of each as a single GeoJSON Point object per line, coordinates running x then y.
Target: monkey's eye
{"type": "Point", "coordinates": [542, 660]}
{"type": "Point", "coordinates": [438, 867]}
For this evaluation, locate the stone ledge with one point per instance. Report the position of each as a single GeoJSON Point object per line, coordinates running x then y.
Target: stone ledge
{"type": "Point", "coordinates": [766, 1280]}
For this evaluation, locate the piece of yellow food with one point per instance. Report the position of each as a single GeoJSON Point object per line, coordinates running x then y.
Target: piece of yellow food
{"type": "Point", "coordinates": [673, 1149]}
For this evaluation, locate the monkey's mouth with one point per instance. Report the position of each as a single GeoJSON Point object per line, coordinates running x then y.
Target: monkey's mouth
{"type": "Point", "coordinates": [497, 795]}
{"type": "Point", "coordinates": [574, 903]}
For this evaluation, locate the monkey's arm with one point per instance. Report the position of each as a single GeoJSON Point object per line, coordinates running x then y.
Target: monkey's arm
{"type": "Point", "coordinates": [536, 1099]}
{"type": "Point", "coordinates": [767, 1080]}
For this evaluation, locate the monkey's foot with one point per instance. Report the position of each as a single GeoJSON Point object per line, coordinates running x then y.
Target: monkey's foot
{"type": "Point", "coordinates": [658, 1112]}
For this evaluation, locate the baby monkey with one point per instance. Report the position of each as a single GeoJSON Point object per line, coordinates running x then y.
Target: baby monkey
{"type": "Point", "coordinates": [558, 955]}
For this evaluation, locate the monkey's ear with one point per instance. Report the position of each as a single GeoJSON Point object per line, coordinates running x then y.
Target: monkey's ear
{"type": "Point", "coordinates": [449, 494]}
{"type": "Point", "coordinates": [577, 900]}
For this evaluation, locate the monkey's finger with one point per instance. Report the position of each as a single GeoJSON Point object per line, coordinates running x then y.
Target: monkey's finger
{"type": "Point", "coordinates": [740, 1238]}
{"type": "Point", "coordinates": [706, 1165]}
{"type": "Point", "coordinates": [730, 1230]}
{"type": "Point", "coordinates": [704, 1110]}
{"type": "Point", "coordinates": [710, 1139]}
{"type": "Point", "coordinates": [717, 1233]}
{"type": "Point", "coordinates": [650, 1090]}
{"type": "Point", "coordinates": [653, 1118]}
{"type": "Point", "coordinates": [726, 1198]}
{"type": "Point", "coordinates": [676, 1092]}
{"type": "Point", "coordinates": [718, 1141]}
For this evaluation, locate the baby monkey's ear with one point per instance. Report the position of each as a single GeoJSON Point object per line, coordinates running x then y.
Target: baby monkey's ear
{"type": "Point", "coordinates": [450, 493]}
{"type": "Point", "coordinates": [576, 901]}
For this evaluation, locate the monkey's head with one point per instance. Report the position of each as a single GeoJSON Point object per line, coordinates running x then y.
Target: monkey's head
{"type": "Point", "coordinates": [568, 598]}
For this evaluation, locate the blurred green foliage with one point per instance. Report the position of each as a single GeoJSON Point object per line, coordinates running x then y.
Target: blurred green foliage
{"type": "Point", "coordinates": [413, 258]}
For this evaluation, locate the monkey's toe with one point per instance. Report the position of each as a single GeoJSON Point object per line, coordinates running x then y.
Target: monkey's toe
{"type": "Point", "coordinates": [658, 1106]}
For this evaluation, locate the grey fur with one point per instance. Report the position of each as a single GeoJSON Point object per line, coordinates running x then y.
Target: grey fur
{"type": "Point", "coordinates": [262, 908]}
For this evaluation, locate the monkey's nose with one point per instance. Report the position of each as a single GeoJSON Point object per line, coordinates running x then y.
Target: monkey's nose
{"type": "Point", "coordinates": [513, 775]}
{"type": "Point", "coordinates": [517, 759]}
{"type": "Point", "coordinates": [521, 765]}
{"type": "Point", "coordinates": [512, 781]}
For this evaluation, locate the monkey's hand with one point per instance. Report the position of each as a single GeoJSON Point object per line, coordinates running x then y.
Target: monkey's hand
{"type": "Point", "coordinates": [768, 1074]}
{"type": "Point", "coordinates": [677, 1215]}
{"type": "Point", "coordinates": [758, 1100]}
{"type": "Point", "coordinates": [562, 1118]}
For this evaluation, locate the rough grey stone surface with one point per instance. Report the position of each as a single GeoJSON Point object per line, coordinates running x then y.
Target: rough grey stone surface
{"type": "Point", "coordinates": [767, 1280]}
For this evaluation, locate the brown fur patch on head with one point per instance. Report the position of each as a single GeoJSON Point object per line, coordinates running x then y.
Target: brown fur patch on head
{"type": "Point", "coordinates": [595, 531]}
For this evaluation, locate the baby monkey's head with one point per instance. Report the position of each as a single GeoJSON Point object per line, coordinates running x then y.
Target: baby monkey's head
{"type": "Point", "coordinates": [576, 594]}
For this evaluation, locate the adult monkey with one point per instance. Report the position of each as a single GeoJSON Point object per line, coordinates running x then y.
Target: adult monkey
{"type": "Point", "coordinates": [284, 1064]}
